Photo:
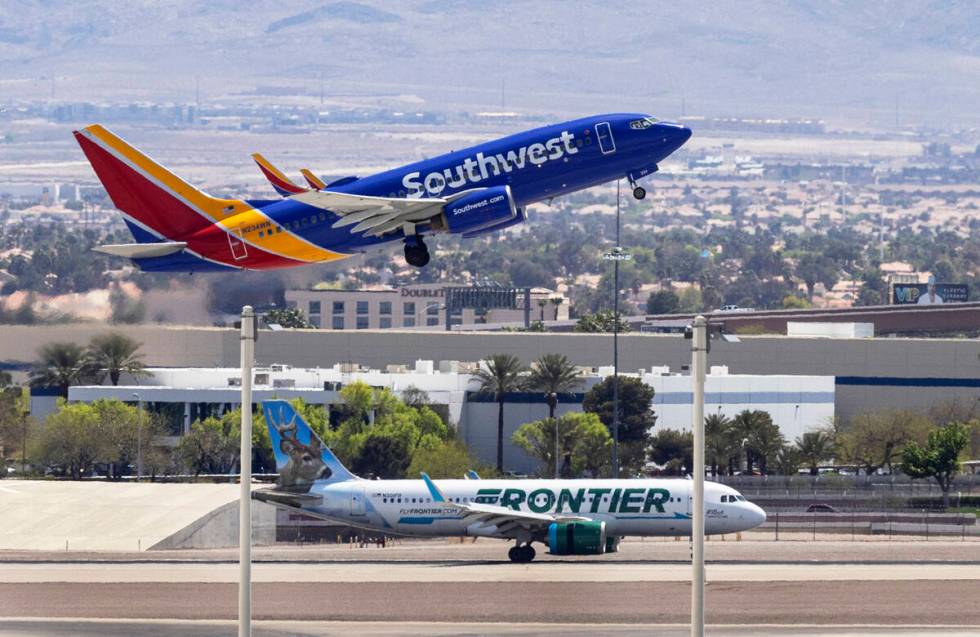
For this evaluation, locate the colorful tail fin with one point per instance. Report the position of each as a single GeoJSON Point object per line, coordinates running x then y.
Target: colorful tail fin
{"type": "Point", "coordinates": [301, 457]}
{"type": "Point", "coordinates": [314, 181]}
{"type": "Point", "coordinates": [283, 185]}
{"type": "Point", "coordinates": [157, 204]}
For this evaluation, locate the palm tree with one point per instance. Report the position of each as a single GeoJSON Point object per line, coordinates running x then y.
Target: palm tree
{"type": "Point", "coordinates": [718, 440]}
{"type": "Point", "coordinates": [61, 365]}
{"type": "Point", "coordinates": [499, 375]}
{"type": "Point", "coordinates": [113, 354]}
{"type": "Point", "coordinates": [552, 374]}
{"type": "Point", "coordinates": [815, 447]}
{"type": "Point", "coordinates": [762, 438]}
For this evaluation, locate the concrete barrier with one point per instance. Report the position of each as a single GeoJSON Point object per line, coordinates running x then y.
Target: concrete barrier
{"type": "Point", "coordinates": [109, 516]}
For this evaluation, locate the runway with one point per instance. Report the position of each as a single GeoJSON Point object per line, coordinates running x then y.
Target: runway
{"type": "Point", "coordinates": [780, 588]}
{"type": "Point", "coordinates": [160, 628]}
{"type": "Point", "coordinates": [478, 572]}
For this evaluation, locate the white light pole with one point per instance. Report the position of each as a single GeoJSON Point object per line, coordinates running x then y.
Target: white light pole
{"type": "Point", "coordinates": [616, 255]}
{"type": "Point", "coordinates": [139, 437]}
{"type": "Point", "coordinates": [699, 360]}
{"type": "Point", "coordinates": [248, 334]}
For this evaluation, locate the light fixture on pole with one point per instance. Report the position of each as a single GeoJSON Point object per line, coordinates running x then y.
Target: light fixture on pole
{"type": "Point", "coordinates": [139, 437]}
{"type": "Point", "coordinates": [699, 360]}
{"type": "Point", "coordinates": [248, 335]}
{"type": "Point", "coordinates": [616, 255]}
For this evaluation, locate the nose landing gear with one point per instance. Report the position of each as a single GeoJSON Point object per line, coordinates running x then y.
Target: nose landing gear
{"type": "Point", "coordinates": [416, 252]}
{"type": "Point", "coordinates": [639, 192]}
{"type": "Point", "coordinates": [521, 553]}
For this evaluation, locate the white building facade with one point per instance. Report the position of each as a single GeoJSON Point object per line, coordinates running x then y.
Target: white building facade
{"type": "Point", "coordinates": [797, 404]}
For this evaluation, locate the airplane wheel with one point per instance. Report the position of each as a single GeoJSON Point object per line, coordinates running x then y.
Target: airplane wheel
{"type": "Point", "coordinates": [529, 553]}
{"type": "Point", "coordinates": [639, 192]}
{"type": "Point", "coordinates": [514, 554]}
{"type": "Point", "coordinates": [417, 255]}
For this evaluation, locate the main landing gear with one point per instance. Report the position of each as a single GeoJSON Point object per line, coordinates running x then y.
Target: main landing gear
{"type": "Point", "coordinates": [521, 553]}
{"type": "Point", "coordinates": [416, 252]}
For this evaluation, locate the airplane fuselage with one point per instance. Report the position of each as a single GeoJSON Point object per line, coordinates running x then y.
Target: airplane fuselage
{"type": "Point", "coordinates": [483, 188]}
{"type": "Point", "coordinates": [633, 507]}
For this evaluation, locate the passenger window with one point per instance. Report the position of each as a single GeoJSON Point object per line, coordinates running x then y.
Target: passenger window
{"type": "Point", "coordinates": [323, 216]}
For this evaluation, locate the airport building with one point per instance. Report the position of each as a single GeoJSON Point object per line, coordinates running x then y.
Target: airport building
{"type": "Point", "coordinates": [413, 306]}
{"type": "Point", "coordinates": [870, 374]}
{"type": "Point", "coordinates": [184, 395]}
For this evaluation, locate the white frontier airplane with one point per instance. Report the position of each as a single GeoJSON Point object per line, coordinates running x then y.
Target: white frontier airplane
{"type": "Point", "coordinates": [570, 517]}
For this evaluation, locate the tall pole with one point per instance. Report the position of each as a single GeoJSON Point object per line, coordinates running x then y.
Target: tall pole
{"type": "Point", "coordinates": [139, 437]}
{"type": "Point", "coordinates": [245, 497]}
{"type": "Point", "coordinates": [699, 359]}
{"type": "Point", "coordinates": [616, 345]}
{"type": "Point", "coordinates": [553, 404]}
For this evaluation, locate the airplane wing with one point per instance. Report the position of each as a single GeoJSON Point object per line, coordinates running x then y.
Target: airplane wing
{"type": "Point", "coordinates": [376, 216]}
{"type": "Point", "coordinates": [372, 216]}
{"type": "Point", "coordinates": [504, 518]}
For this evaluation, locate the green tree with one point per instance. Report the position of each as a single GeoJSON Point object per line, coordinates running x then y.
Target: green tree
{"type": "Point", "coordinates": [449, 459]}
{"type": "Point", "coordinates": [815, 268]}
{"type": "Point", "coordinates": [793, 302]}
{"type": "Point", "coordinates": [601, 321]}
{"type": "Point", "coordinates": [61, 365]}
{"type": "Point", "coordinates": [583, 443]}
{"type": "Point", "coordinates": [788, 460]}
{"type": "Point", "coordinates": [720, 446]}
{"type": "Point", "coordinates": [499, 375]}
{"type": "Point", "coordinates": [71, 441]}
{"type": "Point", "coordinates": [875, 440]}
{"type": "Point", "coordinates": [382, 455]}
{"type": "Point", "coordinates": [636, 417]}
{"type": "Point", "coordinates": [761, 436]}
{"type": "Point", "coordinates": [113, 354]}
{"type": "Point", "coordinates": [552, 375]}
{"type": "Point", "coordinates": [663, 302]}
{"type": "Point", "coordinates": [212, 446]}
{"type": "Point", "coordinates": [674, 450]}
{"type": "Point", "coordinates": [939, 458]}
{"type": "Point", "coordinates": [814, 448]}
{"type": "Point", "coordinates": [286, 317]}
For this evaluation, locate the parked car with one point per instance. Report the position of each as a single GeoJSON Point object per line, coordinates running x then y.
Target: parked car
{"type": "Point", "coordinates": [820, 508]}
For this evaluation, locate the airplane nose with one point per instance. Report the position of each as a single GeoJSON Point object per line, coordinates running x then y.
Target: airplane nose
{"type": "Point", "coordinates": [757, 516]}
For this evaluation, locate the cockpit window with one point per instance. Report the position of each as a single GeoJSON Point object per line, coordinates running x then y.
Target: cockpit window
{"type": "Point", "coordinates": [724, 498]}
{"type": "Point", "coordinates": [740, 498]}
{"type": "Point", "coordinates": [640, 124]}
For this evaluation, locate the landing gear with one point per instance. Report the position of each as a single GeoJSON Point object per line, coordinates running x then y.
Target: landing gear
{"type": "Point", "coordinates": [639, 192]}
{"type": "Point", "coordinates": [416, 252]}
{"type": "Point", "coordinates": [521, 554]}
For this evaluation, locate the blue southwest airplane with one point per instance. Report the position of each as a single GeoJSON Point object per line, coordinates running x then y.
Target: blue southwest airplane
{"type": "Point", "coordinates": [485, 188]}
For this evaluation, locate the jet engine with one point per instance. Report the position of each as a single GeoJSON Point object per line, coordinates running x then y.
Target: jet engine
{"type": "Point", "coordinates": [480, 210]}
{"type": "Point", "coordinates": [577, 538]}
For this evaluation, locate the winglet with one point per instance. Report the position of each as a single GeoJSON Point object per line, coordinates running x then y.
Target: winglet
{"type": "Point", "coordinates": [472, 475]}
{"type": "Point", "coordinates": [433, 489]}
{"type": "Point", "coordinates": [312, 180]}
{"type": "Point", "coordinates": [283, 185]}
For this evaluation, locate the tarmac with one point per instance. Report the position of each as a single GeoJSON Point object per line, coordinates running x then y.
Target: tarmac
{"type": "Point", "coordinates": [443, 588]}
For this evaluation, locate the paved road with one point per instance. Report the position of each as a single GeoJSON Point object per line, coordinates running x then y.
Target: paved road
{"type": "Point", "coordinates": [472, 572]}
{"type": "Point", "coordinates": [149, 628]}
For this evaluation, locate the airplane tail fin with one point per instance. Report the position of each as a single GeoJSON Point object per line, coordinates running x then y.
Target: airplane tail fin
{"type": "Point", "coordinates": [157, 204]}
{"type": "Point", "coordinates": [301, 456]}
{"type": "Point", "coordinates": [313, 180]}
{"type": "Point", "coordinates": [283, 184]}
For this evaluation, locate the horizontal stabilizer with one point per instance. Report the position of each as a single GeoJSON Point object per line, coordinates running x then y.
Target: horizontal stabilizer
{"type": "Point", "coordinates": [141, 250]}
